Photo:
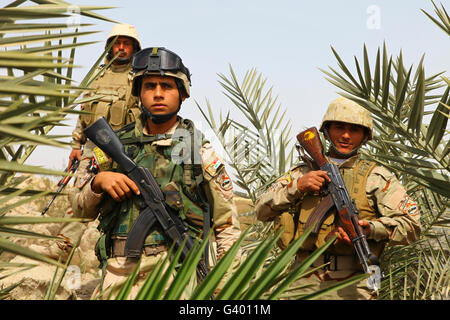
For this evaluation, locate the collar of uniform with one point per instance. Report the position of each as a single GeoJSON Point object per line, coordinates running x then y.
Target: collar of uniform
{"type": "Point", "coordinates": [142, 130]}
{"type": "Point", "coordinates": [349, 163]}
{"type": "Point", "coordinates": [120, 67]}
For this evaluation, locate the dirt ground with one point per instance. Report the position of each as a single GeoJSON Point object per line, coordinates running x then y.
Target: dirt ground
{"type": "Point", "coordinates": [83, 274]}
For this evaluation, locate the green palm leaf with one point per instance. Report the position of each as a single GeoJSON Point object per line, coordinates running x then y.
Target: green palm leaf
{"type": "Point", "coordinates": [417, 151]}
{"type": "Point", "coordinates": [443, 16]}
{"type": "Point", "coordinates": [36, 93]}
{"type": "Point", "coordinates": [252, 146]}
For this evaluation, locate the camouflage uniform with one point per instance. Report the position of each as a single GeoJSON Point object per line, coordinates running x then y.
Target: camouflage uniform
{"type": "Point", "coordinates": [379, 197]}
{"type": "Point", "coordinates": [116, 104]}
{"type": "Point", "coordinates": [155, 154]}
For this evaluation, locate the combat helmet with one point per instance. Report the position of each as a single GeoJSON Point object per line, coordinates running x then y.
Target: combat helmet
{"type": "Point", "coordinates": [345, 110]}
{"type": "Point", "coordinates": [161, 62]}
{"type": "Point", "coordinates": [126, 30]}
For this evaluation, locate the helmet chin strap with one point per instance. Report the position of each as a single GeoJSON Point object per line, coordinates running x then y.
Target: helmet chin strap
{"type": "Point", "coordinates": [158, 118]}
{"type": "Point", "coordinates": [342, 154]}
{"type": "Point", "coordinates": [122, 60]}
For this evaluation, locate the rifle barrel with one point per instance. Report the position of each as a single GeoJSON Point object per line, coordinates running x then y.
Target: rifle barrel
{"type": "Point", "coordinates": [62, 183]}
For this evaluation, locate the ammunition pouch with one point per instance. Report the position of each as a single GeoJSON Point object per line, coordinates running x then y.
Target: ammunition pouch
{"type": "Point", "coordinates": [117, 113]}
{"type": "Point", "coordinates": [284, 222]}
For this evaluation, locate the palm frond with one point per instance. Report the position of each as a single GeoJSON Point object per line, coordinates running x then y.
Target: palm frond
{"type": "Point", "coordinates": [257, 277]}
{"type": "Point", "coordinates": [36, 94]}
{"type": "Point", "coordinates": [260, 150]}
{"type": "Point", "coordinates": [444, 18]}
{"type": "Point", "coordinates": [399, 117]}
{"type": "Point", "coordinates": [417, 150]}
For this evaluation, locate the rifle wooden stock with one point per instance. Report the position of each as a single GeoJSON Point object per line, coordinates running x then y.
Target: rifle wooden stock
{"type": "Point", "coordinates": [310, 141]}
{"type": "Point", "coordinates": [347, 223]}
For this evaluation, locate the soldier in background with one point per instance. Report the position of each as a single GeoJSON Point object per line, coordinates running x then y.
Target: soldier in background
{"type": "Point", "coordinates": [388, 216]}
{"type": "Point", "coordinates": [116, 104]}
{"type": "Point", "coordinates": [198, 187]}
{"type": "Point", "coordinates": [113, 86]}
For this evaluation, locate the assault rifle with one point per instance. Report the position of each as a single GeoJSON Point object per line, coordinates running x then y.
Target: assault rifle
{"type": "Point", "coordinates": [62, 183]}
{"type": "Point", "coordinates": [153, 208]}
{"type": "Point", "coordinates": [346, 209]}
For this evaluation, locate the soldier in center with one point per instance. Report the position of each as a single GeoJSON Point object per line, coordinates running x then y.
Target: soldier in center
{"type": "Point", "coordinates": [191, 181]}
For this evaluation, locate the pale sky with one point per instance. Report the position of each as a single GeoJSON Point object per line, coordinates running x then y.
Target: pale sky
{"type": "Point", "coordinates": [287, 41]}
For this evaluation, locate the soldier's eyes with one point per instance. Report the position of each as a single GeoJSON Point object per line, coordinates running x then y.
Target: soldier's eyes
{"type": "Point", "coordinates": [163, 85]}
{"type": "Point", "coordinates": [166, 86]}
{"type": "Point", "coordinates": [149, 85]}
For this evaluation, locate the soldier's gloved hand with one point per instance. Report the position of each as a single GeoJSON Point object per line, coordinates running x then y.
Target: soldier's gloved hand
{"type": "Point", "coordinates": [312, 181]}
{"type": "Point", "coordinates": [117, 185]}
{"type": "Point", "coordinates": [75, 154]}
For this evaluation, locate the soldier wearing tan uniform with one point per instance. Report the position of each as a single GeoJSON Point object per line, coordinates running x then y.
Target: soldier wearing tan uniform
{"type": "Point", "coordinates": [388, 216]}
{"type": "Point", "coordinates": [116, 103]}
{"type": "Point", "coordinates": [191, 184]}
{"type": "Point", "coordinates": [113, 89]}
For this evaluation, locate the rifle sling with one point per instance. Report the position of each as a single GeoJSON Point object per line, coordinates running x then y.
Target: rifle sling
{"type": "Point", "coordinates": [320, 213]}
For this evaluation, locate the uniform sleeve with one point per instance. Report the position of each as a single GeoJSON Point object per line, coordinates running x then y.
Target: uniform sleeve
{"type": "Point", "coordinates": [399, 215]}
{"type": "Point", "coordinates": [78, 137]}
{"type": "Point", "coordinates": [219, 190]}
{"type": "Point", "coordinates": [85, 202]}
{"type": "Point", "coordinates": [280, 196]}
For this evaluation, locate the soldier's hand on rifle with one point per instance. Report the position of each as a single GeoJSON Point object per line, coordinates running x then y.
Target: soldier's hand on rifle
{"type": "Point", "coordinates": [75, 154]}
{"type": "Point", "coordinates": [312, 181]}
{"type": "Point", "coordinates": [366, 226]}
{"type": "Point", "coordinates": [343, 237]}
{"type": "Point", "coordinates": [117, 185]}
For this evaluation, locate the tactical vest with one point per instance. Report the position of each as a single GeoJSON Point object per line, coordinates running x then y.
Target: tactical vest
{"type": "Point", "coordinates": [355, 180]}
{"type": "Point", "coordinates": [180, 183]}
{"type": "Point", "coordinates": [117, 104]}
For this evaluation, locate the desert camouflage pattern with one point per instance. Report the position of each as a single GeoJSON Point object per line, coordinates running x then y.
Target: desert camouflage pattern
{"type": "Point", "coordinates": [398, 215]}
{"type": "Point", "coordinates": [115, 102]}
{"type": "Point", "coordinates": [392, 212]}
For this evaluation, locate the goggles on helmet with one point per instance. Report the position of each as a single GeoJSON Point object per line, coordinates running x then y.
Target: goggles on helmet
{"type": "Point", "coordinates": [156, 59]}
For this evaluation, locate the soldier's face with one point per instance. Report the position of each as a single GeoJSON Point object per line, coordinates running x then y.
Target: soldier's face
{"type": "Point", "coordinates": [346, 136]}
{"type": "Point", "coordinates": [159, 94]}
{"type": "Point", "coordinates": [124, 45]}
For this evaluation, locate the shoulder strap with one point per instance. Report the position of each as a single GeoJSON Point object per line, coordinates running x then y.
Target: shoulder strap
{"type": "Point", "coordinates": [125, 128]}
{"type": "Point", "coordinates": [197, 173]}
{"type": "Point", "coordinates": [365, 167]}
